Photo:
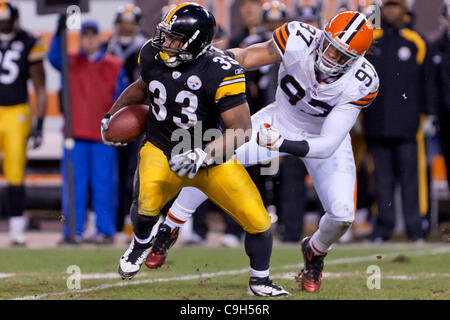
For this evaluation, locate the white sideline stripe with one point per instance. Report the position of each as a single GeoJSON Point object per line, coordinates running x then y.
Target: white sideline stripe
{"type": "Point", "coordinates": [328, 275]}
{"type": "Point", "coordinates": [426, 252]}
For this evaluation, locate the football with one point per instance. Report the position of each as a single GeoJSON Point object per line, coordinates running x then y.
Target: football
{"type": "Point", "coordinates": [127, 124]}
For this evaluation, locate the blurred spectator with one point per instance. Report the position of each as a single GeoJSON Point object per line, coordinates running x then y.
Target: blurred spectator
{"type": "Point", "coordinates": [221, 38]}
{"type": "Point", "coordinates": [440, 74]}
{"type": "Point", "coordinates": [310, 15]}
{"type": "Point", "coordinates": [126, 44]}
{"type": "Point", "coordinates": [94, 83]}
{"type": "Point", "coordinates": [22, 55]}
{"type": "Point", "coordinates": [251, 14]}
{"type": "Point", "coordinates": [441, 79]}
{"type": "Point", "coordinates": [274, 14]}
{"type": "Point", "coordinates": [392, 122]}
{"type": "Point", "coordinates": [165, 10]}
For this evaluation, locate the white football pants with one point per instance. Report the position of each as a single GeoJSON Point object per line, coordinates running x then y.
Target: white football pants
{"type": "Point", "coordinates": [334, 178]}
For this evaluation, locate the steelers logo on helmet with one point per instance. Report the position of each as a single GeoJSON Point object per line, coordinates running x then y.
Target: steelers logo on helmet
{"type": "Point", "coordinates": [345, 38]}
{"type": "Point", "coordinates": [184, 34]}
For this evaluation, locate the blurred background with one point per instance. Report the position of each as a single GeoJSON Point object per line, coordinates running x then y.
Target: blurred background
{"type": "Point", "coordinates": [288, 194]}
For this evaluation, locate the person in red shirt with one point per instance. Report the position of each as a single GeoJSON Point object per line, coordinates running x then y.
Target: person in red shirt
{"type": "Point", "coordinates": [95, 79]}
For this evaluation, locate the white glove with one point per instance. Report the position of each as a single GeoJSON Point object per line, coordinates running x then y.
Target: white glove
{"type": "Point", "coordinates": [269, 137]}
{"type": "Point", "coordinates": [189, 162]}
{"type": "Point", "coordinates": [104, 127]}
{"type": "Point", "coordinates": [429, 127]}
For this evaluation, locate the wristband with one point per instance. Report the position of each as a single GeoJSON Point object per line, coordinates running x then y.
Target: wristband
{"type": "Point", "coordinates": [296, 148]}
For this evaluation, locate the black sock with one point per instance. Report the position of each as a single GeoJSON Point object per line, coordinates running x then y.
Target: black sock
{"type": "Point", "coordinates": [259, 249]}
{"type": "Point", "coordinates": [142, 225]}
{"type": "Point", "coordinates": [14, 200]}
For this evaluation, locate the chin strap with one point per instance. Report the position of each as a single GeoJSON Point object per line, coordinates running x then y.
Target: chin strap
{"type": "Point", "coordinates": [7, 36]}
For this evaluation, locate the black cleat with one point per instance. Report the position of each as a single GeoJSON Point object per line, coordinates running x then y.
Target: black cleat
{"type": "Point", "coordinates": [311, 274]}
{"type": "Point", "coordinates": [131, 261]}
{"type": "Point", "coordinates": [263, 287]}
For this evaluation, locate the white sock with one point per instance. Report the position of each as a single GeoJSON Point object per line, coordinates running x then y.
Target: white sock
{"type": "Point", "coordinates": [173, 222]}
{"type": "Point", "coordinates": [316, 246]}
{"type": "Point", "coordinates": [259, 274]}
{"type": "Point", "coordinates": [186, 203]}
{"type": "Point", "coordinates": [17, 226]}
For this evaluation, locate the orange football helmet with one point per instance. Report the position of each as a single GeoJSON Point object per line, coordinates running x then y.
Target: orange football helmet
{"type": "Point", "coordinates": [350, 33]}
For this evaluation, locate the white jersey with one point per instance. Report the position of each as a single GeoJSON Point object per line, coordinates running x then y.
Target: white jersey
{"type": "Point", "coordinates": [300, 99]}
{"type": "Point", "coordinates": [321, 114]}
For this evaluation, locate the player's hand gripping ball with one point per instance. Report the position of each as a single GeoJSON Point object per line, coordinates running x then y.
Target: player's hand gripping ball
{"type": "Point", "coordinates": [124, 126]}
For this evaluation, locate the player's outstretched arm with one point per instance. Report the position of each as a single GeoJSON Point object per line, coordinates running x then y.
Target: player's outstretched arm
{"type": "Point", "coordinates": [37, 76]}
{"type": "Point", "coordinates": [257, 55]}
{"type": "Point", "coordinates": [335, 128]}
{"type": "Point", "coordinates": [135, 93]}
{"type": "Point", "coordinates": [239, 131]}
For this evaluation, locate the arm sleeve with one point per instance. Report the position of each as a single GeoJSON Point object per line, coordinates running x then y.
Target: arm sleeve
{"type": "Point", "coordinates": [334, 129]}
{"type": "Point", "coordinates": [37, 52]}
{"type": "Point", "coordinates": [231, 92]}
{"type": "Point", "coordinates": [54, 54]}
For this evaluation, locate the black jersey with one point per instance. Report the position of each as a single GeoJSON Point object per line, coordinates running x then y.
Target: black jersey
{"type": "Point", "coordinates": [16, 56]}
{"type": "Point", "coordinates": [187, 100]}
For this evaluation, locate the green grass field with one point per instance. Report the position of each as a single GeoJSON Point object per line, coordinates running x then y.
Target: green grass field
{"type": "Point", "coordinates": [198, 273]}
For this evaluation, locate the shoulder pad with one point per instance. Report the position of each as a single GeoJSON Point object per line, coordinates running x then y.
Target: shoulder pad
{"type": "Point", "coordinates": [226, 75]}
{"type": "Point", "coordinates": [295, 36]}
{"type": "Point", "coordinates": [145, 50]}
{"type": "Point", "coordinates": [365, 84]}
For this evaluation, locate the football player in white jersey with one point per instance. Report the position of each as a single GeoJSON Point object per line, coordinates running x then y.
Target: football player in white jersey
{"type": "Point", "coordinates": [324, 82]}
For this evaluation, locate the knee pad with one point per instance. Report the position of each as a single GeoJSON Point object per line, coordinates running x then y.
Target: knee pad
{"type": "Point", "coordinates": [329, 222]}
{"type": "Point", "coordinates": [150, 200]}
{"type": "Point", "coordinates": [342, 211]}
{"type": "Point", "coordinates": [256, 217]}
{"type": "Point", "coordinates": [259, 224]}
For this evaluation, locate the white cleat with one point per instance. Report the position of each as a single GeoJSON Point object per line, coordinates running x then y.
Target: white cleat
{"type": "Point", "coordinates": [263, 287]}
{"type": "Point", "coordinates": [131, 261]}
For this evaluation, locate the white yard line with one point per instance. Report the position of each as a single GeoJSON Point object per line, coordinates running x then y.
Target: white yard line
{"type": "Point", "coordinates": [331, 275]}
{"type": "Point", "coordinates": [439, 250]}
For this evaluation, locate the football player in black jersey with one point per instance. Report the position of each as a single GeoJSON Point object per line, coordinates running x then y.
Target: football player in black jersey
{"type": "Point", "coordinates": [191, 88]}
{"type": "Point", "coordinates": [21, 58]}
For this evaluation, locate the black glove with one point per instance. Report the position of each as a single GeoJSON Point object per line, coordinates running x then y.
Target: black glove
{"type": "Point", "coordinates": [36, 134]}
{"type": "Point", "coordinates": [61, 23]}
